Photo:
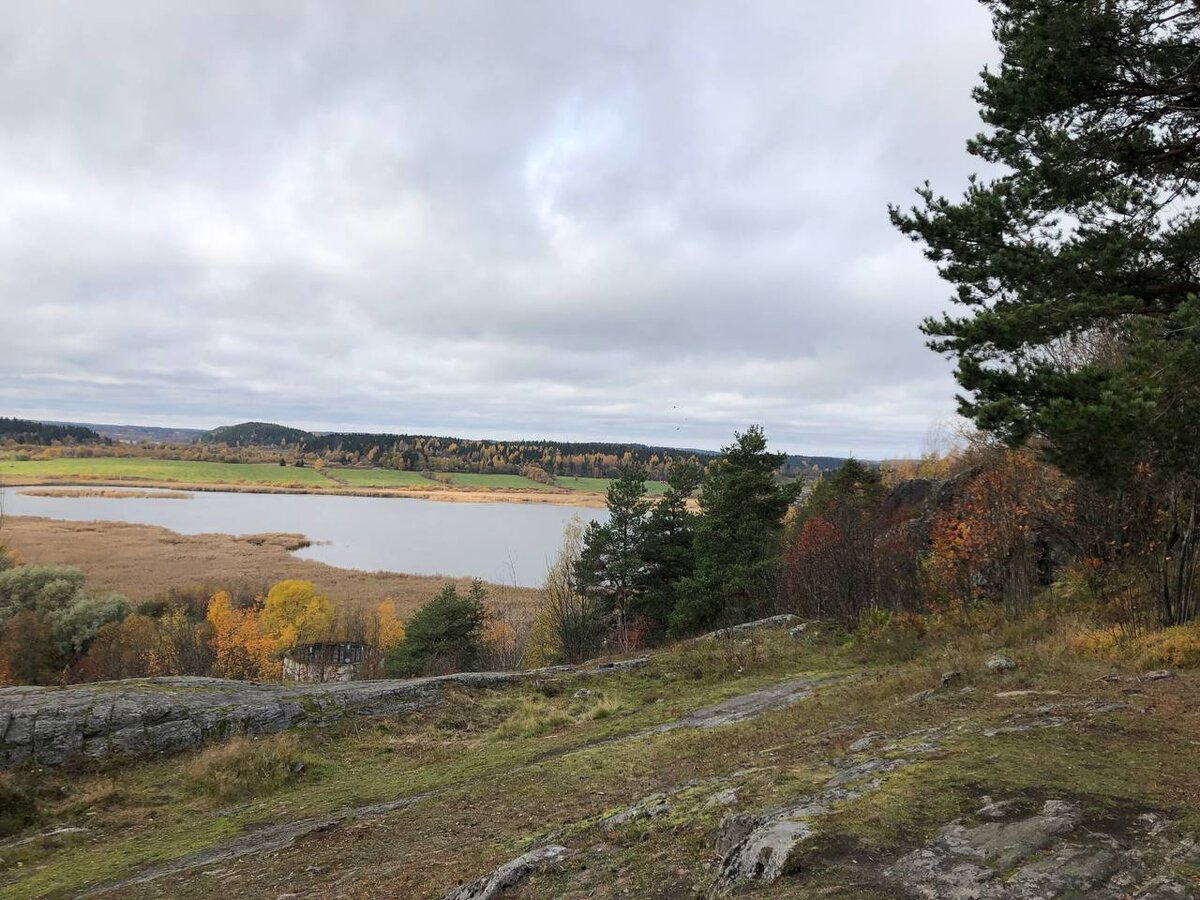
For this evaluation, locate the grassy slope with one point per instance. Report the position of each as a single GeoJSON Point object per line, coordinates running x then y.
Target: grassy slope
{"type": "Point", "coordinates": [526, 764]}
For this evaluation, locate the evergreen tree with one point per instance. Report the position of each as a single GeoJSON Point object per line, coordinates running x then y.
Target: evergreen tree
{"type": "Point", "coordinates": [444, 635]}
{"type": "Point", "coordinates": [1078, 265]}
{"type": "Point", "coordinates": [738, 538]}
{"type": "Point", "coordinates": [668, 549]}
{"type": "Point", "coordinates": [611, 563]}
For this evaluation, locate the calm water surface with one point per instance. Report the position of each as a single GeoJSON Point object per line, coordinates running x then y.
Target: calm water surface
{"type": "Point", "coordinates": [502, 542]}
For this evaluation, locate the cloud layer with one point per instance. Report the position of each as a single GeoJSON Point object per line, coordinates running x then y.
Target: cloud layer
{"type": "Point", "coordinates": [648, 221]}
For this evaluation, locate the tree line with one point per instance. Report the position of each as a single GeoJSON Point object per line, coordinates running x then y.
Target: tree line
{"type": "Point", "coordinates": [707, 554]}
{"type": "Point", "coordinates": [24, 431]}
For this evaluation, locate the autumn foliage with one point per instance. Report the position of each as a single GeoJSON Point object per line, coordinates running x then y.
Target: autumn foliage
{"type": "Point", "coordinates": [242, 650]}
{"type": "Point", "coordinates": [991, 539]}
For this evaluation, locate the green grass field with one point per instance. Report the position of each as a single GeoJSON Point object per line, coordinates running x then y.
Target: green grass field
{"type": "Point", "coordinates": [383, 478]}
{"type": "Point", "coordinates": [184, 471]}
{"type": "Point", "coordinates": [111, 468]}
{"type": "Point", "coordinates": [497, 482]}
{"type": "Point", "coordinates": [600, 485]}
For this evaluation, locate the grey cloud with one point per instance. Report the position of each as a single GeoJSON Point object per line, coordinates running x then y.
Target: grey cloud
{"type": "Point", "coordinates": [656, 222]}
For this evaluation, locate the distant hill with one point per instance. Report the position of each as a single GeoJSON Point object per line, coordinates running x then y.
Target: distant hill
{"type": "Point", "coordinates": [256, 434]}
{"type": "Point", "coordinates": [25, 431]}
{"type": "Point", "coordinates": [417, 452]}
{"type": "Point", "coordinates": [812, 465]}
{"type": "Point", "coordinates": [140, 434]}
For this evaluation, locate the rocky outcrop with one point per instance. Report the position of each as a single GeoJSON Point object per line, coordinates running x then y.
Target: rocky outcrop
{"type": "Point", "coordinates": [47, 725]}
{"type": "Point", "coordinates": [1051, 853]}
{"type": "Point", "coordinates": [1000, 663]}
{"type": "Point", "coordinates": [747, 706]}
{"type": "Point", "coordinates": [646, 808]}
{"type": "Point", "coordinates": [763, 848]}
{"type": "Point", "coordinates": [510, 874]}
{"type": "Point", "coordinates": [787, 620]}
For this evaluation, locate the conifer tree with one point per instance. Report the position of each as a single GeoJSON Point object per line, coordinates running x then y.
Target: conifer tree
{"type": "Point", "coordinates": [1076, 266]}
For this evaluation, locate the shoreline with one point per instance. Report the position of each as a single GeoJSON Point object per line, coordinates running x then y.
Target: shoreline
{"type": "Point", "coordinates": [145, 562]}
{"type": "Point", "coordinates": [447, 494]}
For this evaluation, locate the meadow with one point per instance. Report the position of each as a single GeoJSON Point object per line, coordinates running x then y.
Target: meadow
{"type": "Point", "coordinates": [270, 475]}
{"type": "Point", "coordinates": [480, 777]}
{"type": "Point", "coordinates": [497, 482]}
{"type": "Point", "coordinates": [600, 485]}
{"type": "Point", "coordinates": [380, 478]}
{"type": "Point", "coordinates": [175, 470]}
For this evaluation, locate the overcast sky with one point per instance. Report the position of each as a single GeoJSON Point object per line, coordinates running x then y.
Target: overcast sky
{"type": "Point", "coordinates": [655, 221]}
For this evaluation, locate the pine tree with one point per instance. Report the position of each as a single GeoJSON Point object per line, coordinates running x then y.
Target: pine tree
{"type": "Point", "coordinates": [1077, 266]}
{"type": "Point", "coordinates": [738, 539]}
{"type": "Point", "coordinates": [612, 562]}
{"type": "Point", "coordinates": [668, 549]}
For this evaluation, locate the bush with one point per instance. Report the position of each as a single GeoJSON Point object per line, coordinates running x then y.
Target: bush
{"type": "Point", "coordinates": [246, 767]}
{"type": "Point", "coordinates": [27, 651]}
{"type": "Point", "coordinates": [1176, 647]}
{"type": "Point", "coordinates": [445, 635]}
{"type": "Point", "coordinates": [17, 809]}
{"type": "Point", "coordinates": [39, 588]}
{"type": "Point", "coordinates": [76, 625]}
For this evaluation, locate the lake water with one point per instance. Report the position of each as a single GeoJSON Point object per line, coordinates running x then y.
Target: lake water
{"type": "Point", "coordinates": [502, 542]}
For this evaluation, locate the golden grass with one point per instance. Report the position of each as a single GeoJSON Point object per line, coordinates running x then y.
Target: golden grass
{"type": "Point", "coordinates": [144, 562]}
{"type": "Point", "coordinates": [112, 493]}
{"type": "Point", "coordinates": [1175, 647]}
{"type": "Point", "coordinates": [246, 767]}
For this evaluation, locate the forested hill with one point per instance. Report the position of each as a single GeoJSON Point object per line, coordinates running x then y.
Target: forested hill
{"type": "Point", "coordinates": [24, 431]}
{"type": "Point", "coordinates": [413, 452]}
{"type": "Point", "coordinates": [812, 465]}
{"type": "Point", "coordinates": [449, 454]}
{"type": "Point", "coordinates": [255, 434]}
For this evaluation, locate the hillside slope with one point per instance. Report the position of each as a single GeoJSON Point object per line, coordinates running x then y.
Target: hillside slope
{"type": "Point", "coordinates": [766, 764]}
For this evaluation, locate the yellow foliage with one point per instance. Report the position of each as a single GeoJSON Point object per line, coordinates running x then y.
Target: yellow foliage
{"type": "Point", "coordinates": [389, 627]}
{"type": "Point", "coordinates": [499, 637]}
{"type": "Point", "coordinates": [1104, 642]}
{"type": "Point", "coordinates": [242, 651]}
{"type": "Point", "coordinates": [295, 613]}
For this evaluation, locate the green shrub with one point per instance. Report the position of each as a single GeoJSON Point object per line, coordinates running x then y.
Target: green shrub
{"type": "Point", "coordinates": [17, 809]}
{"type": "Point", "coordinates": [445, 635]}
{"type": "Point", "coordinates": [41, 589]}
{"type": "Point", "coordinates": [75, 625]}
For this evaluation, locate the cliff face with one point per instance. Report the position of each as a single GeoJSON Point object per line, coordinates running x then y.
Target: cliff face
{"type": "Point", "coordinates": [48, 726]}
{"type": "Point", "coordinates": [51, 725]}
